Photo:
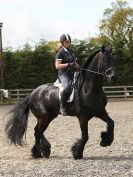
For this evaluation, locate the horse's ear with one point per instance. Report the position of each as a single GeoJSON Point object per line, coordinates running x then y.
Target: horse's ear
{"type": "Point", "coordinates": [103, 49]}
{"type": "Point", "coordinates": [106, 47]}
{"type": "Point", "coordinates": [111, 48]}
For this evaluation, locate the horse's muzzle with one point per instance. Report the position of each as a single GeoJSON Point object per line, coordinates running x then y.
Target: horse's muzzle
{"type": "Point", "coordinates": [112, 75]}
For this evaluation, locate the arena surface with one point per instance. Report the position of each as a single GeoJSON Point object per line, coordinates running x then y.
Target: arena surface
{"type": "Point", "coordinates": [113, 161]}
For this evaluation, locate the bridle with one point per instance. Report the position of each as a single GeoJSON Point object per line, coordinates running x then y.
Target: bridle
{"type": "Point", "coordinates": [102, 67]}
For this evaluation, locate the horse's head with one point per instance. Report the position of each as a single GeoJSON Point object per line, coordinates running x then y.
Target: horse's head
{"type": "Point", "coordinates": [106, 63]}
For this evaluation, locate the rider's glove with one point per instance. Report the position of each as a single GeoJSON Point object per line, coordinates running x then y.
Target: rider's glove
{"type": "Point", "coordinates": [73, 65]}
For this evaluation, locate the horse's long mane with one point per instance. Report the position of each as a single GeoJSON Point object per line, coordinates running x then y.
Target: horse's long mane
{"type": "Point", "coordinates": [85, 65]}
{"type": "Point", "coordinates": [90, 58]}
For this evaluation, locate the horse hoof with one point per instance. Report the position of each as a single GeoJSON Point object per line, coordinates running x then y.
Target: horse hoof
{"type": "Point", "coordinates": [106, 139]}
{"type": "Point", "coordinates": [104, 144]}
{"type": "Point", "coordinates": [39, 152]}
{"type": "Point", "coordinates": [76, 155]}
{"type": "Point", "coordinates": [47, 152]}
{"type": "Point", "coordinates": [36, 153]}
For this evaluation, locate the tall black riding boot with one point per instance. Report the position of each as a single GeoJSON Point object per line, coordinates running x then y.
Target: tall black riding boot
{"type": "Point", "coordinates": [63, 103]}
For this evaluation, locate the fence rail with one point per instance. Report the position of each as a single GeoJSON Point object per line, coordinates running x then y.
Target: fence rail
{"type": "Point", "coordinates": [112, 92]}
{"type": "Point", "coordinates": [119, 91]}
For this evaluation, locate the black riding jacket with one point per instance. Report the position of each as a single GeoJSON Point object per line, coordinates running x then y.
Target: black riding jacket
{"type": "Point", "coordinates": [67, 56]}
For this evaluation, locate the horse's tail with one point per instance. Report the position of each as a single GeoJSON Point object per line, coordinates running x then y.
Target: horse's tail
{"type": "Point", "coordinates": [17, 124]}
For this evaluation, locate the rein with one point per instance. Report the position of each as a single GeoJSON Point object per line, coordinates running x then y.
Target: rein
{"type": "Point", "coordinates": [95, 72]}
{"type": "Point", "coordinates": [91, 71]}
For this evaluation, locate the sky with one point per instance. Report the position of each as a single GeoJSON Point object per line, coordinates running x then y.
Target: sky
{"type": "Point", "coordinates": [32, 20]}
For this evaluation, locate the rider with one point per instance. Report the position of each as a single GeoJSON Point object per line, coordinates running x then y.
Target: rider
{"type": "Point", "coordinates": [65, 63]}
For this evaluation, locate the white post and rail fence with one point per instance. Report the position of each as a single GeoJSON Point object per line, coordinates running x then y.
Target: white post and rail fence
{"type": "Point", "coordinates": [15, 95]}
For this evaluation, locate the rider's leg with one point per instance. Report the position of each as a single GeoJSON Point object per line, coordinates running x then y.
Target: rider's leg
{"type": "Point", "coordinates": [65, 79]}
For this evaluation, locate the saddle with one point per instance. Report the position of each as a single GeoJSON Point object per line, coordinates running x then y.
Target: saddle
{"type": "Point", "coordinates": [60, 86]}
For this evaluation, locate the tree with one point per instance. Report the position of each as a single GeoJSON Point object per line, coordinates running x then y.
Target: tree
{"type": "Point", "coordinates": [117, 28]}
{"type": "Point", "coordinates": [117, 23]}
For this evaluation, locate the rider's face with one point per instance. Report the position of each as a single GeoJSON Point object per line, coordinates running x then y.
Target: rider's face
{"type": "Point", "coordinates": [66, 44]}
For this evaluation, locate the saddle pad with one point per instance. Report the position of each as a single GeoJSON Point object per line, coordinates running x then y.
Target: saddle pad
{"type": "Point", "coordinates": [5, 93]}
{"type": "Point", "coordinates": [60, 86]}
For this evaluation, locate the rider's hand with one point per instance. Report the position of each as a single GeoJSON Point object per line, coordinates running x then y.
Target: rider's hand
{"type": "Point", "coordinates": [73, 65]}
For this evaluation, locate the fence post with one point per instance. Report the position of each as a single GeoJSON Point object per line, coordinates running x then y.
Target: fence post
{"type": "Point", "coordinates": [1, 97]}
{"type": "Point", "coordinates": [9, 98]}
{"type": "Point", "coordinates": [18, 94]}
{"type": "Point", "coordinates": [125, 91]}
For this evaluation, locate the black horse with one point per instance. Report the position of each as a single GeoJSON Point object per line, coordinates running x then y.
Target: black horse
{"type": "Point", "coordinates": [89, 101]}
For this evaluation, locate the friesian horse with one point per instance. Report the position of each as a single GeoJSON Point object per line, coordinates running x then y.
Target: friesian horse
{"type": "Point", "coordinates": [89, 101]}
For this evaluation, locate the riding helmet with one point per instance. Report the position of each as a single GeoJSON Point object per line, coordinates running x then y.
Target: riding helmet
{"type": "Point", "coordinates": [65, 37]}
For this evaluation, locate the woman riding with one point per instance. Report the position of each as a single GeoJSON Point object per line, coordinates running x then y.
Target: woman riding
{"type": "Point", "coordinates": [65, 63]}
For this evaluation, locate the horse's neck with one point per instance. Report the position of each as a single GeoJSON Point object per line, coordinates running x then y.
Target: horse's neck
{"type": "Point", "coordinates": [92, 81]}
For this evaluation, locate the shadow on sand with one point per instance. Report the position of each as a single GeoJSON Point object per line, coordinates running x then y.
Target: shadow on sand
{"type": "Point", "coordinates": [103, 158]}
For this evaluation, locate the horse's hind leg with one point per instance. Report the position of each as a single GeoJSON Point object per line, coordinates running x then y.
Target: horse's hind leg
{"type": "Point", "coordinates": [78, 147]}
{"type": "Point", "coordinates": [107, 136]}
{"type": "Point", "coordinates": [42, 146]}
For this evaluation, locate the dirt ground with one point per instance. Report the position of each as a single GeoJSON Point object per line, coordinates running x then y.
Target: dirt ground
{"type": "Point", "coordinates": [113, 161]}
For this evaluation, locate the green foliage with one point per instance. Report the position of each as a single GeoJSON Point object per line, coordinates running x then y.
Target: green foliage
{"type": "Point", "coordinates": [117, 27]}
{"type": "Point", "coordinates": [29, 68]}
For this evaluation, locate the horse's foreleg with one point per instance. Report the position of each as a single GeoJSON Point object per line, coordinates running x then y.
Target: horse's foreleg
{"type": "Point", "coordinates": [107, 136]}
{"type": "Point", "coordinates": [42, 146]}
{"type": "Point", "coordinates": [78, 147]}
